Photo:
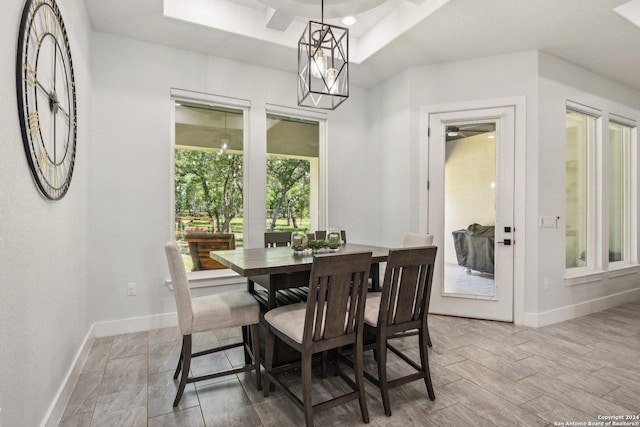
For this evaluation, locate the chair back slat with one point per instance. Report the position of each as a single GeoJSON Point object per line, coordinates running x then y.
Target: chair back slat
{"type": "Point", "coordinates": [277, 239]}
{"type": "Point", "coordinates": [321, 302]}
{"type": "Point", "coordinates": [337, 291]}
{"type": "Point", "coordinates": [407, 285]}
{"type": "Point", "coordinates": [406, 302]}
{"type": "Point", "coordinates": [420, 292]}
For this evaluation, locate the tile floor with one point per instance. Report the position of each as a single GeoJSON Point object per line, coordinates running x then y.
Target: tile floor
{"type": "Point", "coordinates": [457, 280]}
{"type": "Point", "coordinates": [484, 373]}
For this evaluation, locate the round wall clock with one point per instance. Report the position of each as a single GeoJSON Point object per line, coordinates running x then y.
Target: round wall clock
{"type": "Point", "coordinates": [46, 97]}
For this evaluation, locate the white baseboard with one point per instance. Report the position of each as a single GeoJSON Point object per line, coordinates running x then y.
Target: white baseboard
{"type": "Point", "coordinates": [53, 415]}
{"type": "Point", "coordinates": [135, 324]}
{"type": "Point", "coordinates": [581, 309]}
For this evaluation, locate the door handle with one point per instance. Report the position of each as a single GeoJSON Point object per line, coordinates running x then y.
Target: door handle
{"type": "Point", "coordinates": [506, 242]}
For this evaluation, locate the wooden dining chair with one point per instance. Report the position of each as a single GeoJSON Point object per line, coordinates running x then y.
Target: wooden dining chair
{"type": "Point", "coordinates": [274, 239]}
{"type": "Point", "coordinates": [402, 305]}
{"type": "Point", "coordinates": [331, 318]}
{"type": "Point", "coordinates": [411, 240]}
{"type": "Point", "coordinates": [322, 235]}
{"type": "Point", "coordinates": [222, 310]}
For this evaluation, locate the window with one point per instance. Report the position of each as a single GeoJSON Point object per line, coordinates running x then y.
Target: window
{"type": "Point", "coordinates": [292, 173]}
{"type": "Point", "coordinates": [619, 192]}
{"type": "Point", "coordinates": [580, 190]}
{"type": "Point", "coordinates": [208, 177]}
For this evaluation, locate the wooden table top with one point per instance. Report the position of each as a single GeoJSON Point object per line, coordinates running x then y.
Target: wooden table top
{"type": "Point", "coordinates": [259, 261]}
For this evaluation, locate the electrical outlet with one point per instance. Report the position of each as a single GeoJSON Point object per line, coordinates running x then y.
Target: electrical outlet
{"type": "Point", "coordinates": [132, 289]}
{"type": "Point", "coordinates": [545, 284]}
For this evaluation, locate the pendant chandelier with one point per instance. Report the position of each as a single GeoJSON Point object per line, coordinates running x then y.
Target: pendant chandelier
{"type": "Point", "coordinates": [323, 65]}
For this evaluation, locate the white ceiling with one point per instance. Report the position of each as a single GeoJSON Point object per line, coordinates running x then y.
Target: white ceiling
{"type": "Point", "coordinates": [390, 35]}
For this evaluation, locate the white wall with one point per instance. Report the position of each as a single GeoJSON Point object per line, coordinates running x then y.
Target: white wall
{"type": "Point", "coordinates": [130, 195]}
{"type": "Point", "coordinates": [44, 315]}
{"type": "Point", "coordinates": [546, 83]}
{"type": "Point", "coordinates": [399, 140]}
{"type": "Point", "coordinates": [559, 82]}
{"type": "Point", "coordinates": [391, 159]}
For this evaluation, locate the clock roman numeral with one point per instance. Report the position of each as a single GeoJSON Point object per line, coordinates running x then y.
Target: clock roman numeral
{"type": "Point", "coordinates": [34, 123]}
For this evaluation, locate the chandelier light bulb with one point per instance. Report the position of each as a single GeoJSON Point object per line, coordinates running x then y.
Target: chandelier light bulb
{"type": "Point", "coordinates": [330, 79]}
{"type": "Point", "coordinates": [318, 64]}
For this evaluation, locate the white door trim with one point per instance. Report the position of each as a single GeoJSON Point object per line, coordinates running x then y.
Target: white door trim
{"type": "Point", "coordinates": [519, 256]}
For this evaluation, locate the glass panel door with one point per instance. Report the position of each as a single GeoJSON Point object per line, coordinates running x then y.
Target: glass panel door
{"type": "Point", "coordinates": [471, 212]}
{"type": "Point", "coordinates": [469, 209]}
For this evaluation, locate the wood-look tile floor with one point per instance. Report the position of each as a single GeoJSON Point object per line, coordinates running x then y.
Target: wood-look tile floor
{"type": "Point", "coordinates": [484, 374]}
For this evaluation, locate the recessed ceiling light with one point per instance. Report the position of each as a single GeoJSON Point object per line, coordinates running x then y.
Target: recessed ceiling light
{"type": "Point", "coordinates": [349, 20]}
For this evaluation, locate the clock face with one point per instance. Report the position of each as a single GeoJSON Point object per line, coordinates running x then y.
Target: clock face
{"type": "Point", "coordinates": [46, 97]}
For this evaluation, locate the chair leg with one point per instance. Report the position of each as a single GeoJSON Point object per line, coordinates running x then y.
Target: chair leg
{"type": "Point", "coordinates": [186, 365]}
{"type": "Point", "coordinates": [268, 361]}
{"type": "Point", "coordinates": [381, 349]}
{"type": "Point", "coordinates": [429, 338]}
{"type": "Point", "coordinates": [255, 348]}
{"type": "Point", "coordinates": [245, 339]}
{"type": "Point", "coordinates": [306, 388]}
{"type": "Point", "coordinates": [424, 359]}
{"type": "Point", "coordinates": [359, 377]}
{"type": "Point", "coordinates": [179, 367]}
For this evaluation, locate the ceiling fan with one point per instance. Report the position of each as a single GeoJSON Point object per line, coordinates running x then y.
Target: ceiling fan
{"type": "Point", "coordinates": [465, 131]}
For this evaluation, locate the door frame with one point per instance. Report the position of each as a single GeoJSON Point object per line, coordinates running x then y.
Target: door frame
{"type": "Point", "coordinates": [519, 198]}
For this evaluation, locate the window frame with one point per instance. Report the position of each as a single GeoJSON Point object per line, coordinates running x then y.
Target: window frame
{"type": "Point", "coordinates": [323, 174]}
{"type": "Point", "coordinates": [629, 228]}
{"type": "Point", "coordinates": [598, 267]}
{"type": "Point", "coordinates": [206, 278]}
{"type": "Point", "coordinates": [594, 193]}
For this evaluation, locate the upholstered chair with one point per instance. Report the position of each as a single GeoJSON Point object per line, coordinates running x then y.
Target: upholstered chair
{"type": "Point", "coordinates": [223, 310]}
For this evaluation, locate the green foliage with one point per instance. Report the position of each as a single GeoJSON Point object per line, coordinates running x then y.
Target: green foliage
{"type": "Point", "coordinates": [288, 186]}
{"type": "Point", "coordinates": [209, 184]}
{"type": "Point", "coordinates": [317, 244]}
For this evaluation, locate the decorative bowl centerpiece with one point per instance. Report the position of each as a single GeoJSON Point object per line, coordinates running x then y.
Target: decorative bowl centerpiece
{"type": "Point", "coordinates": [299, 242]}
{"type": "Point", "coordinates": [334, 240]}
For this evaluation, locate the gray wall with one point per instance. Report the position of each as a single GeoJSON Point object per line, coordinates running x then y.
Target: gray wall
{"type": "Point", "coordinates": [44, 261]}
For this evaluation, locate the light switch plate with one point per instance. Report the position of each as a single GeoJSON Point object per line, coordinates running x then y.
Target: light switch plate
{"type": "Point", "coordinates": [548, 221]}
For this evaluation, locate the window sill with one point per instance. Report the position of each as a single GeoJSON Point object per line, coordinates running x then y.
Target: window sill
{"type": "Point", "coordinates": [572, 279]}
{"type": "Point", "coordinates": [211, 278]}
{"type": "Point", "coordinates": [622, 269]}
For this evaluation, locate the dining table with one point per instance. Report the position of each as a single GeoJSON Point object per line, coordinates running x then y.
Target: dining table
{"type": "Point", "coordinates": [280, 268]}
{"type": "Point", "coordinates": [284, 275]}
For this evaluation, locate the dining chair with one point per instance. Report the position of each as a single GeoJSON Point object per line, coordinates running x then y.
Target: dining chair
{"type": "Point", "coordinates": [416, 239]}
{"type": "Point", "coordinates": [331, 318]}
{"type": "Point", "coordinates": [199, 314]}
{"type": "Point", "coordinates": [322, 235]}
{"type": "Point", "coordinates": [274, 239]}
{"type": "Point", "coordinates": [410, 240]}
{"type": "Point", "coordinates": [402, 305]}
